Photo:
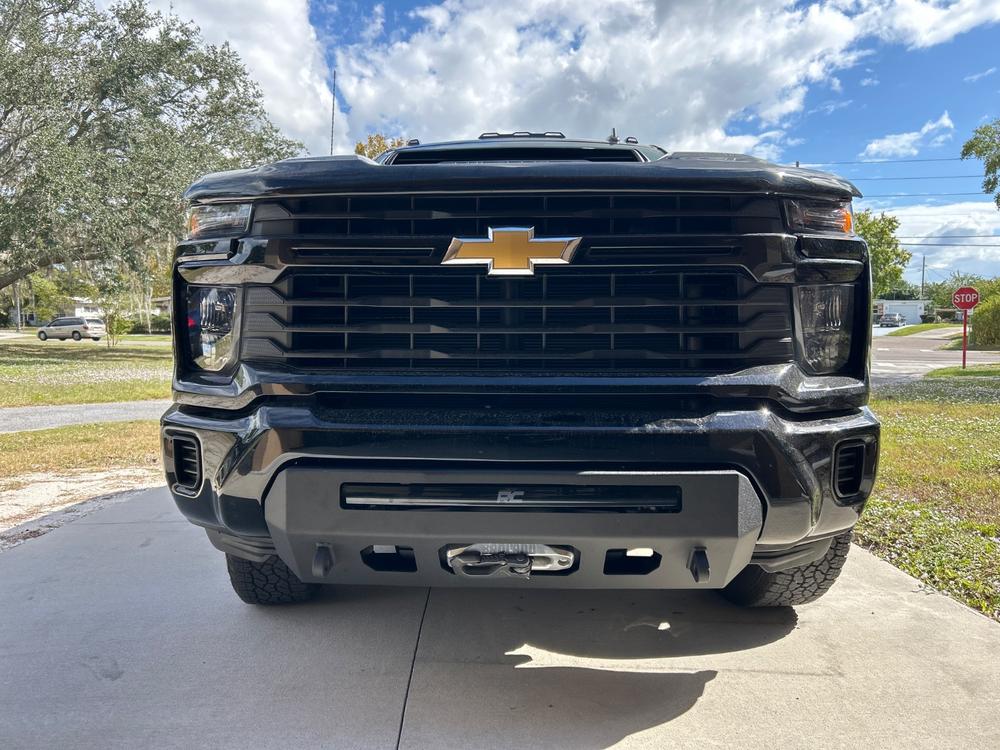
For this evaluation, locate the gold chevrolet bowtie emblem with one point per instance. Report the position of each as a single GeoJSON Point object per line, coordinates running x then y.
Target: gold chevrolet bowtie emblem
{"type": "Point", "coordinates": [511, 251]}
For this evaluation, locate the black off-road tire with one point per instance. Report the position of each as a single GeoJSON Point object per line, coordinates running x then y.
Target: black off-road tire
{"type": "Point", "coordinates": [755, 587]}
{"type": "Point", "coordinates": [268, 582]}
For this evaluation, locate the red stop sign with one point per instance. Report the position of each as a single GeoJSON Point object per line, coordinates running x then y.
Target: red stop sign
{"type": "Point", "coordinates": [965, 298]}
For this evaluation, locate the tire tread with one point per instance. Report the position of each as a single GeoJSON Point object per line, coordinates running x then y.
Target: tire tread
{"type": "Point", "coordinates": [755, 587]}
{"type": "Point", "coordinates": [268, 582]}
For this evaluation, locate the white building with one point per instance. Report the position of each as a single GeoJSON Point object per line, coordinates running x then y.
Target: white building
{"type": "Point", "coordinates": [80, 307]}
{"type": "Point", "coordinates": [910, 309]}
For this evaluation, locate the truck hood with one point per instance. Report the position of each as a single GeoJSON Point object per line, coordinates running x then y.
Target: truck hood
{"type": "Point", "coordinates": [688, 172]}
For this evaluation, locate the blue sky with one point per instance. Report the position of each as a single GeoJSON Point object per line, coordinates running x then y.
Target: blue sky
{"type": "Point", "coordinates": [875, 81]}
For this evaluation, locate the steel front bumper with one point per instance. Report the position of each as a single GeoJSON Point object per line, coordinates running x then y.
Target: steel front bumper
{"type": "Point", "coordinates": [754, 486]}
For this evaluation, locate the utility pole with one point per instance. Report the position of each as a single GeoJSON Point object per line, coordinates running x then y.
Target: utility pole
{"type": "Point", "coordinates": [333, 110]}
{"type": "Point", "coordinates": [923, 269]}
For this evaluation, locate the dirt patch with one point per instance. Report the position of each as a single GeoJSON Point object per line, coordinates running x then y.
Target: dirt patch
{"type": "Point", "coordinates": [34, 504]}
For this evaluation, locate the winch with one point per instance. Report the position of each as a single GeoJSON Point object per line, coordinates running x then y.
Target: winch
{"type": "Point", "coordinates": [512, 560]}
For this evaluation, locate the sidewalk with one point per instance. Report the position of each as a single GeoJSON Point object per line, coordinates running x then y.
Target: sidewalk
{"type": "Point", "coordinates": [21, 418]}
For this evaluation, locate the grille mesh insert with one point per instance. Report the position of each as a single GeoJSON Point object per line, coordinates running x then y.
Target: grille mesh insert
{"type": "Point", "coordinates": [569, 320]}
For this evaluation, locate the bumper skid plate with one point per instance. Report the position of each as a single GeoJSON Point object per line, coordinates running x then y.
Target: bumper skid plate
{"type": "Point", "coordinates": [325, 538]}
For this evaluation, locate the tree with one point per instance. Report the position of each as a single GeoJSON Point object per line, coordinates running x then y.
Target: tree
{"type": "Point", "coordinates": [985, 145]}
{"type": "Point", "coordinates": [986, 324]}
{"type": "Point", "coordinates": [888, 257]}
{"type": "Point", "coordinates": [902, 289]}
{"type": "Point", "coordinates": [940, 291]}
{"type": "Point", "coordinates": [105, 117]}
{"type": "Point", "coordinates": [376, 144]}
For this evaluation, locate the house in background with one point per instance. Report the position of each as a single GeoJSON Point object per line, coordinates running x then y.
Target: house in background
{"type": "Point", "coordinates": [910, 309]}
{"type": "Point", "coordinates": [159, 306]}
{"type": "Point", "coordinates": [79, 307]}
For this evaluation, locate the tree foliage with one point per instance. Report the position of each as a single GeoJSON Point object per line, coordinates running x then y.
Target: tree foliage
{"type": "Point", "coordinates": [105, 117]}
{"type": "Point", "coordinates": [986, 323]}
{"type": "Point", "coordinates": [985, 145]}
{"type": "Point", "coordinates": [376, 144]}
{"type": "Point", "coordinates": [888, 257]}
{"type": "Point", "coordinates": [940, 291]}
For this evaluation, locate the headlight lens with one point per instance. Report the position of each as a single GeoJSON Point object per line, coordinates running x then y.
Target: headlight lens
{"type": "Point", "coordinates": [820, 216]}
{"type": "Point", "coordinates": [216, 220]}
{"type": "Point", "coordinates": [211, 312]}
{"type": "Point", "coordinates": [826, 315]}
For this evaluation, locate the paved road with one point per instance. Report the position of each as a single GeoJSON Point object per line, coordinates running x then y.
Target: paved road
{"type": "Point", "coordinates": [20, 418]}
{"type": "Point", "coordinates": [120, 630]}
{"type": "Point", "coordinates": [905, 357]}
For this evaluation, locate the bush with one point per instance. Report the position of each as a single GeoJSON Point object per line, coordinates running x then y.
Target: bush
{"type": "Point", "coordinates": [160, 324]}
{"type": "Point", "coordinates": [116, 326]}
{"type": "Point", "coordinates": [985, 324]}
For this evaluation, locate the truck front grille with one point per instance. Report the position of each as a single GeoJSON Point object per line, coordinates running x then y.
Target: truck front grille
{"type": "Point", "coordinates": [660, 284]}
{"type": "Point", "coordinates": [560, 320]}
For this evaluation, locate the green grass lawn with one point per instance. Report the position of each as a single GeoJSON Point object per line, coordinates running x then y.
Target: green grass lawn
{"type": "Point", "coordinates": [79, 372]}
{"type": "Point", "coordinates": [935, 512]}
{"type": "Point", "coordinates": [919, 328]}
{"type": "Point", "coordinates": [98, 447]}
{"type": "Point", "coordinates": [975, 371]}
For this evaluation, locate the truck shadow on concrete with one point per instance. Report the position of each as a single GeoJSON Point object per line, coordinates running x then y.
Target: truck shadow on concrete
{"type": "Point", "coordinates": [582, 669]}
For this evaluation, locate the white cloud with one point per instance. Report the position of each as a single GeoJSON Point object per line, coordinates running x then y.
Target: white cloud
{"type": "Point", "coordinates": [977, 76]}
{"type": "Point", "coordinates": [933, 133]}
{"type": "Point", "coordinates": [951, 224]}
{"type": "Point", "coordinates": [829, 107]}
{"type": "Point", "coordinates": [681, 73]}
{"type": "Point", "coordinates": [283, 54]}
{"type": "Point", "coordinates": [375, 24]}
{"type": "Point", "coordinates": [678, 73]}
{"type": "Point", "coordinates": [675, 73]}
{"type": "Point", "coordinates": [924, 23]}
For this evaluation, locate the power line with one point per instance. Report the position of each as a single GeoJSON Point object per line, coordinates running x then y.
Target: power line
{"type": "Point", "coordinates": [920, 177]}
{"type": "Point", "coordinates": [880, 161]}
{"type": "Point", "coordinates": [928, 216]}
{"type": "Point", "coordinates": [945, 236]}
{"type": "Point", "coordinates": [915, 195]}
{"type": "Point", "coordinates": [949, 244]}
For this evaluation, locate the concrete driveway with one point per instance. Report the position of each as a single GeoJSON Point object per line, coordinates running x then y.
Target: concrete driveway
{"type": "Point", "coordinates": [120, 630]}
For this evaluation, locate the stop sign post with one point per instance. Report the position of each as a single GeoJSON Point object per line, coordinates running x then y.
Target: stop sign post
{"type": "Point", "coordinates": [965, 298]}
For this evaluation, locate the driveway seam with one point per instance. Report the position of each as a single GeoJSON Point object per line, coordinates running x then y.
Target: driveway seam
{"type": "Point", "coordinates": [413, 661]}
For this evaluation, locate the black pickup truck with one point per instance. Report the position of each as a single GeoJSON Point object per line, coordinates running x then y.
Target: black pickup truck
{"type": "Point", "coordinates": [523, 360]}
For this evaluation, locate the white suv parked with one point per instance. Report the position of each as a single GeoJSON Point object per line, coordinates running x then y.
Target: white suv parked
{"type": "Point", "coordinates": [74, 328]}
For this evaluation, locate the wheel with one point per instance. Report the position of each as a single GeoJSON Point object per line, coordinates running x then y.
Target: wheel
{"type": "Point", "coordinates": [76, 336]}
{"type": "Point", "coordinates": [96, 338]}
{"type": "Point", "coordinates": [42, 335]}
{"type": "Point", "coordinates": [268, 582]}
{"type": "Point", "coordinates": [755, 587]}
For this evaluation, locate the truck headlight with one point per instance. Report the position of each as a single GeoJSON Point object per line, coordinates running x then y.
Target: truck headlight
{"type": "Point", "coordinates": [820, 216]}
{"type": "Point", "coordinates": [826, 318]}
{"type": "Point", "coordinates": [211, 315]}
{"type": "Point", "coordinates": [216, 220]}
